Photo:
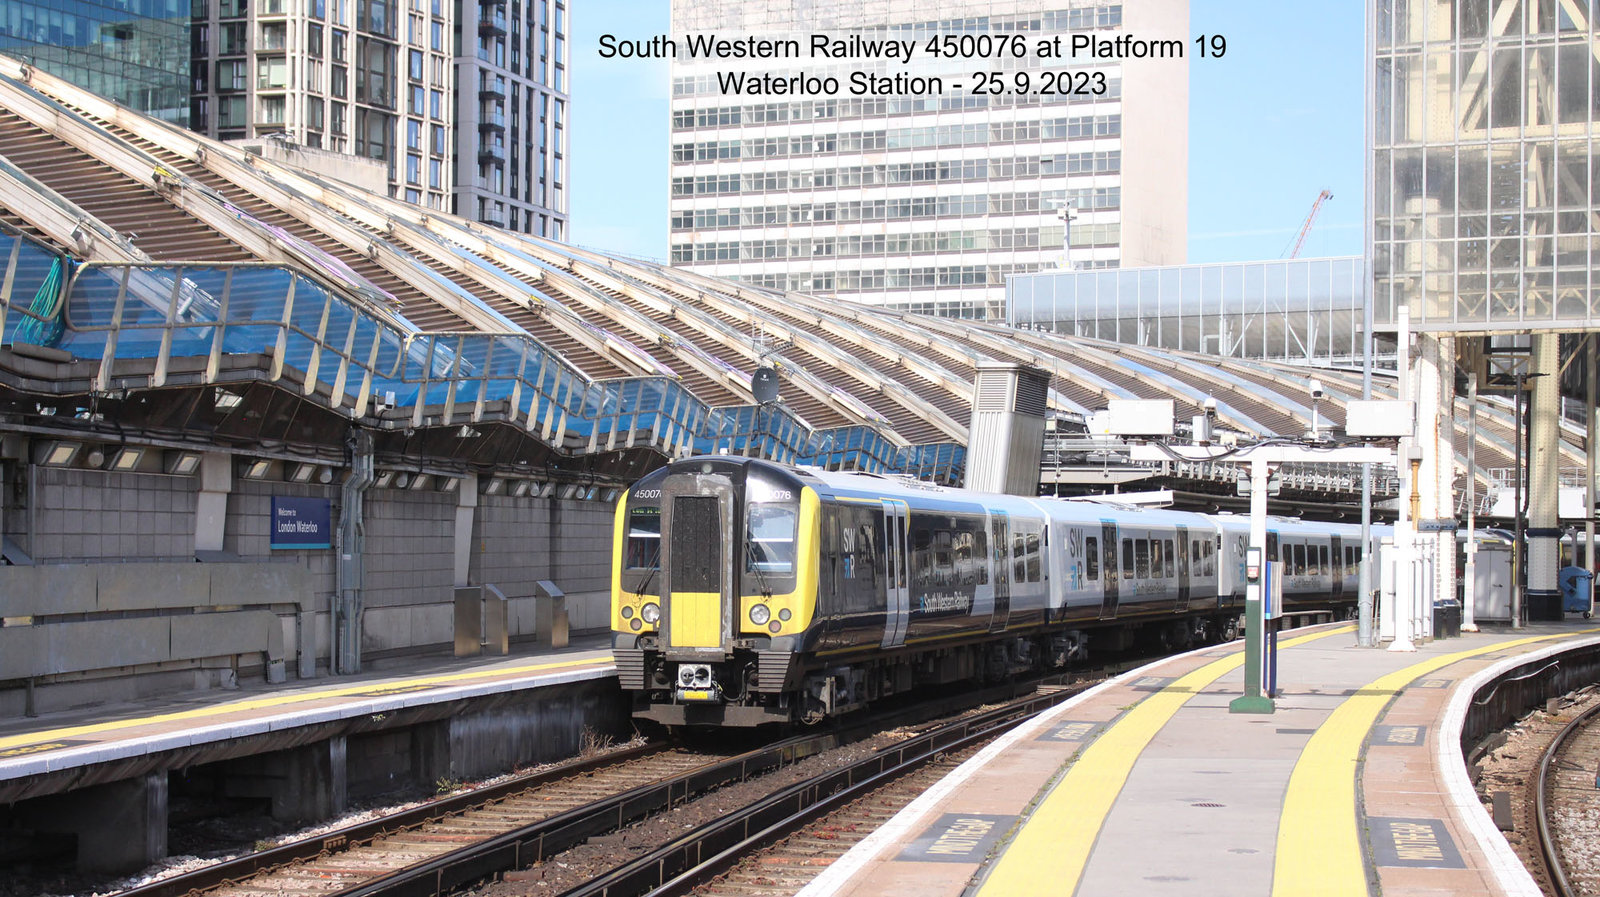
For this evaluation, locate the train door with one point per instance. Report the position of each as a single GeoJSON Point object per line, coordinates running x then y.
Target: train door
{"type": "Point", "coordinates": [1000, 542]}
{"type": "Point", "coordinates": [1336, 568]}
{"type": "Point", "coordinates": [1113, 579]}
{"type": "Point", "coordinates": [897, 590]}
{"type": "Point", "coordinates": [696, 567]}
{"type": "Point", "coordinates": [1183, 570]}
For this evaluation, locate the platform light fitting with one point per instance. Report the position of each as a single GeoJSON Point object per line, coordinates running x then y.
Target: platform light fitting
{"type": "Point", "coordinates": [467, 432]}
{"type": "Point", "coordinates": [449, 484]}
{"type": "Point", "coordinates": [420, 481]}
{"type": "Point", "coordinates": [127, 459]}
{"type": "Point", "coordinates": [402, 480]}
{"type": "Point", "coordinates": [495, 486]}
{"type": "Point", "coordinates": [224, 400]}
{"type": "Point", "coordinates": [522, 488]}
{"type": "Point", "coordinates": [183, 464]}
{"type": "Point", "coordinates": [96, 458]}
{"type": "Point", "coordinates": [325, 475]}
{"type": "Point", "coordinates": [257, 469]}
{"type": "Point", "coordinates": [61, 454]}
{"type": "Point", "coordinates": [383, 478]}
{"type": "Point", "coordinates": [302, 473]}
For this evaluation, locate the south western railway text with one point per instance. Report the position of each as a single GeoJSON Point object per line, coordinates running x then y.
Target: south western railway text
{"type": "Point", "coordinates": [856, 46]}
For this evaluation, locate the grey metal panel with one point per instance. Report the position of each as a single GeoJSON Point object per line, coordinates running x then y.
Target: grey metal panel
{"type": "Point", "coordinates": [103, 644]}
{"type": "Point", "coordinates": [259, 584]}
{"type": "Point", "coordinates": [153, 585]}
{"type": "Point", "coordinates": [213, 635]}
{"type": "Point", "coordinates": [47, 589]}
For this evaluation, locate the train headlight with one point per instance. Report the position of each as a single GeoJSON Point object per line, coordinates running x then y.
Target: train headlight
{"type": "Point", "coordinates": [760, 614]}
{"type": "Point", "coordinates": [651, 613]}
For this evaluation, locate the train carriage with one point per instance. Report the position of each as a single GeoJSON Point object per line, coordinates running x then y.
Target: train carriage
{"type": "Point", "coordinates": [748, 592]}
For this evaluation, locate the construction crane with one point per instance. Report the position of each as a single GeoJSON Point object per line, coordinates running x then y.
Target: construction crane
{"type": "Point", "coordinates": [1300, 238]}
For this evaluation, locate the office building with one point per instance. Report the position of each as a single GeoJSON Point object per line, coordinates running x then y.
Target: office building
{"type": "Point", "coordinates": [924, 198]}
{"type": "Point", "coordinates": [464, 105]}
{"type": "Point", "coordinates": [135, 54]}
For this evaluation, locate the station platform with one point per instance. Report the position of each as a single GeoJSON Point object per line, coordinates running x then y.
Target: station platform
{"type": "Point", "coordinates": [1147, 784]}
{"type": "Point", "coordinates": [62, 750]}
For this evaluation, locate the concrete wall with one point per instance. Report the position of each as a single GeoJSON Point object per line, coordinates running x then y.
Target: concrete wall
{"type": "Point", "coordinates": [92, 515]}
{"type": "Point", "coordinates": [116, 607]}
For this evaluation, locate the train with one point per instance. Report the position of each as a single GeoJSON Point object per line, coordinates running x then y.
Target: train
{"type": "Point", "coordinates": [746, 592]}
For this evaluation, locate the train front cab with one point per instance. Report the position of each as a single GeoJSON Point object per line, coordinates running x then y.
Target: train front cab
{"type": "Point", "coordinates": [705, 622]}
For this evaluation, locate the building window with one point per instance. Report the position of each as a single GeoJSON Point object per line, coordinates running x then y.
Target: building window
{"type": "Point", "coordinates": [231, 75]}
{"type": "Point", "coordinates": [413, 169]}
{"type": "Point", "coordinates": [435, 174]}
{"type": "Point", "coordinates": [272, 110]}
{"type": "Point", "coordinates": [274, 36]}
{"type": "Point", "coordinates": [230, 112]}
{"type": "Point", "coordinates": [314, 40]}
{"type": "Point", "coordinates": [272, 73]}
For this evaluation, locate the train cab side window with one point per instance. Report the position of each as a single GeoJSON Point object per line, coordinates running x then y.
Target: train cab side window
{"type": "Point", "coordinates": [644, 539]}
{"type": "Point", "coordinates": [769, 541]}
{"type": "Point", "coordinates": [1127, 558]}
{"type": "Point", "coordinates": [1091, 558]}
{"type": "Point", "coordinates": [1171, 560]}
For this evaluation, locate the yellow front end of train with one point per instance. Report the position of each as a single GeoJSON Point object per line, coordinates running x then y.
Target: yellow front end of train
{"type": "Point", "coordinates": [707, 622]}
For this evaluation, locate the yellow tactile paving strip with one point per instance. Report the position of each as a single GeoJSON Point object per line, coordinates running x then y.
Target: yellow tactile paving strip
{"type": "Point", "coordinates": [1049, 854]}
{"type": "Point", "coordinates": [1318, 853]}
{"type": "Point", "coordinates": [233, 710]}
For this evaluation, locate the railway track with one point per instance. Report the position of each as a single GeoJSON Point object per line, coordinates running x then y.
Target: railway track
{"type": "Point", "coordinates": [1567, 805]}
{"type": "Point", "coordinates": [462, 840]}
{"type": "Point", "coordinates": [736, 852]}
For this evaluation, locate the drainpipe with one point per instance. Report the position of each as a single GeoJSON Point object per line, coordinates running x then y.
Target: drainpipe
{"type": "Point", "coordinates": [347, 600]}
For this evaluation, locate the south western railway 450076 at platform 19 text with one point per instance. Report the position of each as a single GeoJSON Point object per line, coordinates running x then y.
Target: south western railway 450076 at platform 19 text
{"type": "Point", "coordinates": [746, 592]}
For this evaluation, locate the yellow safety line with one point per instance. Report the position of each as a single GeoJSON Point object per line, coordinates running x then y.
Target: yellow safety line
{"type": "Point", "coordinates": [1048, 855]}
{"type": "Point", "coordinates": [1319, 845]}
{"type": "Point", "coordinates": [384, 687]}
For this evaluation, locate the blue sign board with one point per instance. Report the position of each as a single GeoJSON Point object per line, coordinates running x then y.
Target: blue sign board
{"type": "Point", "coordinates": [299, 522]}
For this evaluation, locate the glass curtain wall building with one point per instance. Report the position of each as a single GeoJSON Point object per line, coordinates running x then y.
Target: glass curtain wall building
{"type": "Point", "coordinates": [135, 53]}
{"type": "Point", "coordinates": [927, 200]}
{"type": "Point", "coordinates": [1299, 310]}
{"type": "Point", "coordinates": [1485, 179]}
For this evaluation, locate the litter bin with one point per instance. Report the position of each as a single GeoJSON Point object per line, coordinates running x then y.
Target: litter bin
{"type": "Point", "coordinates": [1447, 619]}
{"type": "Point", "coordinates": [1575, 590]}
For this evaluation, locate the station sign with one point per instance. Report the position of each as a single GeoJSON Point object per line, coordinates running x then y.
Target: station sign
{"type": "Point", "coordinates": [301, 522]}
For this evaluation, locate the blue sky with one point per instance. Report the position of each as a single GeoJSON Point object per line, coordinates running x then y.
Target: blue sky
{"type": "Point", "coordinates": [1271, 123]}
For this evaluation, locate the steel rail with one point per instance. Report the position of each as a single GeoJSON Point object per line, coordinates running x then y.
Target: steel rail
{"type": "Point", "coordinates": [240, 868]}
{"type": "Point", "coordinates": [1547, 845]}
{"type": "Point", "coordinates": [685, 863]}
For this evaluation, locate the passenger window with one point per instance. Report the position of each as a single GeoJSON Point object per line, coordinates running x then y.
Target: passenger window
{"type": "Point", "coordinates": [1091, 558]}
{"type": "Point", "coordinates": [1035, 574]}
{"type": "Point", "coordinates": [1141, 558]}
{"type": "Point", "coordinates": [1322, 556]}
{"type": "Point", "coordinates": [1155, 557]}
{"type": "Point", "coordinates": [1300, 560]}
{"type": "Point", "coordinates": [1211, 556]}
{"type": "Point", "coordinates": [1171, 560]}
{"type": "Point", "coordinates": [1127, 558]}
